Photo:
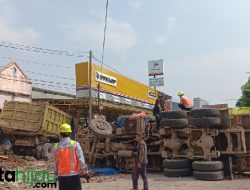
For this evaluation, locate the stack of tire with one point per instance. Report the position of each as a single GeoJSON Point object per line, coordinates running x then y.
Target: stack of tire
{"type": "Point", "coordinates": [174, 119]}
{"type": "Point", "coordinates": [177, 167]}
{"type": "Point", "coordinates": [205, 117]}
{"type": "Point", "coordinates": [208, 170]}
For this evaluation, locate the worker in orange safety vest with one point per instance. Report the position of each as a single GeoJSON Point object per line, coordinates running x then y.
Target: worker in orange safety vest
{"type": "Point", "coordinates": [69, 160]}
{"type": "Point", "coordinates": [185, 102]}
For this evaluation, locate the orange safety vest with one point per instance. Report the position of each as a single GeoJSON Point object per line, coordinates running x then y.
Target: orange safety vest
{"type": "Point", "coordinates": [66, 160]}
{"type": "Point", "coordinates": [185, 101]}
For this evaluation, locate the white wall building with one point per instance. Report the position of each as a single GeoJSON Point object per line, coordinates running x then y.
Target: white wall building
{"type": "Point", "coordinates": [14, 84]}
{"type": "Point", "coordinates": [199, 102]}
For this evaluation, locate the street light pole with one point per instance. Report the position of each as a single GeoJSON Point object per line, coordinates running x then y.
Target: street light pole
{"type": "Point", "coordinates": [90, 86]}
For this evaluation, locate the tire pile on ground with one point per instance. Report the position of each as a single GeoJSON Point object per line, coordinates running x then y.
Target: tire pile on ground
{"type": "Point", "coordinates": [177, 167]}
{"type": "Point", "coordinates": [208, 170]}
{"type": "Point", "coordinates": [205, 117]}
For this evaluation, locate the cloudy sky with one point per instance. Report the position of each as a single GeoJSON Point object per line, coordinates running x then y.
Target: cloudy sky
{"type": "Point", "coordinates": [205, 45]}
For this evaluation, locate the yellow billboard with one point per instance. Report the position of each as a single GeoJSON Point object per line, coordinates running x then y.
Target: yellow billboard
{"type": "Point", "coordinates": [113, 85]}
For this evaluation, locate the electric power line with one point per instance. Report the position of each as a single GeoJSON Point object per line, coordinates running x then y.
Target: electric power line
{"type": "Point", "coordinates": [21, 79]}
{"type": "Point", "coordinates": [42, 50]}
{"type": "Point", "coordinates": [47, 75]}
{"type": "Point", "coordinates": [43, 84]}
{"type": "Point", "coordinates": [35, 62]}
{"type": "Point", "coordinates": [107, 65]}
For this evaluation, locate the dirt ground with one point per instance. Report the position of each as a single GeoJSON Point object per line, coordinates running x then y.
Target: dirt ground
{"type": "Point", "coordinates": [160, 182]}
{"type": "Point", "coordinates": [156, 182]}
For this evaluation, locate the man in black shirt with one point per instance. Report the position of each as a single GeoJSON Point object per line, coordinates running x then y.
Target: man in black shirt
{"type": "Point", "coordinates": [160, 105]}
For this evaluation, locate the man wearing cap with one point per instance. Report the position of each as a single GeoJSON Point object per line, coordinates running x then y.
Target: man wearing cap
{"type": "Point", "coordinates": [141, 162]}
{"type": "Point", "coordinates": [68, 160]}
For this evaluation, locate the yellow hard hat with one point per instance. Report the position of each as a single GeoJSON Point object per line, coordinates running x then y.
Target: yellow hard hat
{"type": "Point", "coordinates": [65, 128]}
{"type": "Point", "coordinates": [180, 93]}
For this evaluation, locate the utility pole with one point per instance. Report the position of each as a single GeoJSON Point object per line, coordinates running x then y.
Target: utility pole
{"type": "Point", "coordinates": [90, 86]}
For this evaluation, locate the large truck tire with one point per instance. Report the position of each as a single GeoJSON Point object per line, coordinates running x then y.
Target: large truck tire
{"type": "Point", "coordinates": [205, 121]}
{"type": "Point", "coordinates": [39, 152]}
{"type": "Point", "coordinates": [209, 176]}
{"type": "Point", "coordinates": [204, 113]}
{"type": "Point", "coordinates": [177, 172]}
{"type": "Point", "coordinates": [173, 114]}
{"type": "Point", "coordinates": [47, 151]}
{"type": "Point", "coordinates": [101, 127]}
{"type": "Point", "coordinates": [174, 123]}
{"type": "Point", "coordinates": [208, 165]}
{"type": "Point", "coordinates": [177, 163]}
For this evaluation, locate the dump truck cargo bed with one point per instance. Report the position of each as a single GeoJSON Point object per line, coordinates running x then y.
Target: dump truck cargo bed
{"type": "Point", "coordinates": [32, 118]}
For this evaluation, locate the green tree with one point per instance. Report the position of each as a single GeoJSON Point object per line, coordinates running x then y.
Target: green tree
{"type": "Point", "coordinates": [244, 101]}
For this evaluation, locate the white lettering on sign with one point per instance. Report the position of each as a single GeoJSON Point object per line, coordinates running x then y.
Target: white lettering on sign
{"type": "Point", "coordinates": [106, 79]}
{"type": "Point", "coordinates": [156, 81]}
{"type": "Point", "coordinates": [151, 95]}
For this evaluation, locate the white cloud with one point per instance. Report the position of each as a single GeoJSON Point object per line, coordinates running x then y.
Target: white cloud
{"type": "Point", "coordinates": [136, 4]}
{"type": "Point", "coordinates": [120, 36]}
{"type": "Point", "coordinates": [162, 39]}
{"type": "Point", "coordinates": [8, 29]}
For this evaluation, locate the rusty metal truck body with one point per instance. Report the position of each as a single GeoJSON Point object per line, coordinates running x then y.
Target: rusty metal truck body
{"type": "Point", "coordinates": [206, 135]}
{"type": "Point", "coordinates": [119, 148]}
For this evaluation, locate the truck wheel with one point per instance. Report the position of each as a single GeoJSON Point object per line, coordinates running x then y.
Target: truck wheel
{"type": "Point", "coordinates": [208, 165]}
{"type": "Point", "coordinates": [205, 121]}
{"type": "Point", "coordinates": [39, 152]}
{"type": "Point", "coordinates": [173, 114]}
{"type": "Point", "coordinates": [47, 151]}
{"type": "Point", "coordinates": [101, 127]}
{"type": "Point", "coordinates": [204, 113]}
{"type": "Point", "coordinates": [209, 176]}
{"type": "Point", "coordinates": [177, 172]}
{"type": "Point", "coordinates": [177, 163]}
{"type": "Point", "coordinates": [174, 123]}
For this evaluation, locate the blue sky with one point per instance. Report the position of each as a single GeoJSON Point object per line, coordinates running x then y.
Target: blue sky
{"type": "Point", "coordinates": [205, 44]}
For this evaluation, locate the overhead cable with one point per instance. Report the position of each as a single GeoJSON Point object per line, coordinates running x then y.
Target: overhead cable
{"type": "Point", "coordinates": [42, 50]}
{"type": "Point", "coordinates": [47, 75]}
{"type": "Point", "coordinates": [35, 62]}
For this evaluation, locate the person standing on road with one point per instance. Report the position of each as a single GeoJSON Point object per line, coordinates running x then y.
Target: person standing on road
{"type": "Point", "coordinates": [141, 162]}
{"type": "Point", "coordinates": [185, 102]}
{"type": "Point", "coordinates": [69, 161]}
{"type": "Point", "coordinates": [160, 105]}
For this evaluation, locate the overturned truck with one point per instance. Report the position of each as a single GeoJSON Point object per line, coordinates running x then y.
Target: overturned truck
{"type": "Point", "coordinates": [209, 137]}
{"type": "Point", "coordinates": [114, 146]}
{"type": "Point", "coordinates": [208, 143]}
